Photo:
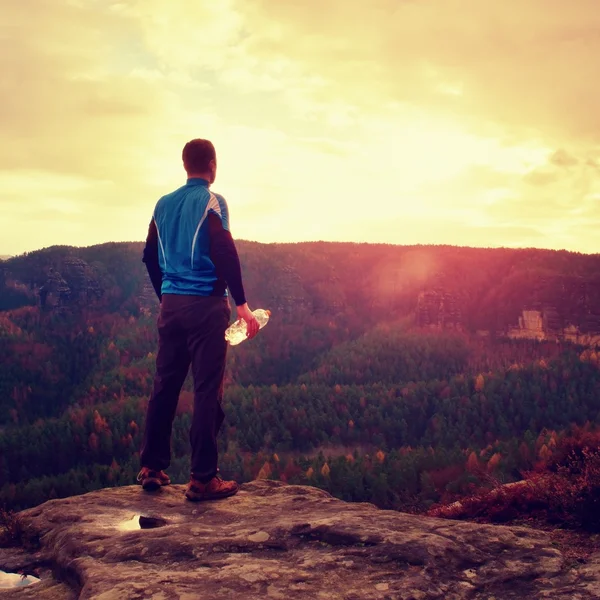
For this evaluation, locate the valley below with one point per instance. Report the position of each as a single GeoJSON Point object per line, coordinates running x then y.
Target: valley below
{"type": "Point", "coordinates": [408, 377]}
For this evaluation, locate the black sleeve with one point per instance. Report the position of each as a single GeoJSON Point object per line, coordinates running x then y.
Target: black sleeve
{"type": "Point", "coordinates": [224, 256]}
{"type": "Point", "coordinates": [150, 258]}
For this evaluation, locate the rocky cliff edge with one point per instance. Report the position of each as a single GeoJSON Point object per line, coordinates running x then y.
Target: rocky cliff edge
{"type": "Point", "coordinates": [276, 541]}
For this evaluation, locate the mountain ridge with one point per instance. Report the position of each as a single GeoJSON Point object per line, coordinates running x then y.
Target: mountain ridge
{"type": "Point", "coordinates": [537, 294]}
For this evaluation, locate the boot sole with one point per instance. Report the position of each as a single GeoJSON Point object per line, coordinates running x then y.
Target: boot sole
{"type": "Point", "coordinates": [151, 485]}
{"type": "Point", "coordinates": [202, 497]}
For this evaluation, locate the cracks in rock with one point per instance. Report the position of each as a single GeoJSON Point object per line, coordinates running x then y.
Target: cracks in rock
{"type": "Point", "coordinates": [249, 548]}
{"type": "Point", "coordinates": [27, 567]}
{"type": "Point", "coordinates": [69, 576]}
{"type": "Point", "coordinates": [334, 537]}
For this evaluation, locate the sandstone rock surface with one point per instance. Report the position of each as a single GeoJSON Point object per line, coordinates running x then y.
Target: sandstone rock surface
{"type": "Point", "coordinates": [277, 541]}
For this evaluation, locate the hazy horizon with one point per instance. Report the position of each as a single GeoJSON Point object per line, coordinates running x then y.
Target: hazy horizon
{"type": "Point", "coordinates": [449, 123]}
{"type": "Point", "coordinates": [76, 246]}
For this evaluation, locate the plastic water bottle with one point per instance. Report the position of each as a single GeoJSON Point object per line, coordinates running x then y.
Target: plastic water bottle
{"type": "Point", "coordinates": [236, 333]}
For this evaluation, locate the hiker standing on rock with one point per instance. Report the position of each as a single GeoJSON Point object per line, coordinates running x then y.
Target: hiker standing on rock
{"type": "Point", "coordinates": [192, 260]}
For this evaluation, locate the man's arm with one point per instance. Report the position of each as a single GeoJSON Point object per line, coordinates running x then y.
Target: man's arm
{"type": "Point", "coordinates": [150, 258]}
{"type": "Point", "coordinates": [224, 256]}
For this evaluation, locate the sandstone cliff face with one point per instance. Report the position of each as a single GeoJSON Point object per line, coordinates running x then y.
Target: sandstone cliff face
{"type": "Point", "coordinates": [561, 308]}
{"type": "Point", "coordinates": [439, 309]}
{"type": "Point", "coordinates": [277, 541]}
{"type": "Point", "coordinates": [75, 285]}
{"type": "Point", "coordinates": [538, 325]}
{"type": "Point", "coordinates": [55, 293]}
{"type": "Point", "coordinates": [558, 309]}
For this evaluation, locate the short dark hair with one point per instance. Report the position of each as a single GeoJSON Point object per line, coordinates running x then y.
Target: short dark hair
{"type": "Point", "coordinates": [197, 155]}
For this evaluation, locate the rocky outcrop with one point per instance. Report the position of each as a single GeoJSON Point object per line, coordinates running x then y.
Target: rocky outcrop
{"type": "Point", "coordinates": [55, 293]}
{"type": "Point", "coordinates": [82, 279]}
{"type": "Point", "coordinates": [289, 296]}
{"type": "Point", "coordinates": [278, 541]}
{"type": "Point", "coordinates": [560, 307]}
{"type": "Point", "coordinates": [438, 309]}
{"type": "Point", "coordinates": [76, 285]}
{"type": "Point", "coordinates": [541, 325]}
{"type": "Point", "coordinates": [553, 308]}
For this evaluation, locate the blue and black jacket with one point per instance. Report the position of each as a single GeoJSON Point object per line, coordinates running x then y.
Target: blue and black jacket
{"type": "Point", "coordinates": [189, 249]}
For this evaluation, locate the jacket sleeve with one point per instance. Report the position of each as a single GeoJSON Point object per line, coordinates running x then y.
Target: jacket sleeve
{"type": "Point", "coordinates": [150, 258]}
{"type": "Point", "coordinates": [224, 256]}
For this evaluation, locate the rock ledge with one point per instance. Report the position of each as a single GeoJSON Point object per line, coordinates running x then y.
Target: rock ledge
{"type": "Point", "coordinates": [277, 541]}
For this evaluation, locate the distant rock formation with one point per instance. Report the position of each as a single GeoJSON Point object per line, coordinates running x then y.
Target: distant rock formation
{"type": "Point", "coordinates": [77, 285]}
{"type": "Point", "coordinates": [549, 308]}
{"type": "Point", "coordinates": [542, 325]}
{"type": "Point", "coordinates": [532, 325]}
{"type": "Point", "coordinates": [440, 309]}
{"type": "Point", "coordinates": [55, 293]}
{"type": "Point", "coordinates": [82, 280]}
{"type": "Point", "coordinates": [289, 295]}
{"type": "Point", "coordinates": [562, 308]}
{"type": "Point", "coordinates": [278, 541]}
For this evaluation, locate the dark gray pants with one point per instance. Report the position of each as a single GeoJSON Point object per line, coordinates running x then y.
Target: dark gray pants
{"type": "Point", "coordinates": [191, 330]}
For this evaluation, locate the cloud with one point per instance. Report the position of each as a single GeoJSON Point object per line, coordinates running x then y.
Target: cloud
{"type": "Point", "coordinates": [528, 69]}
{"type": "Point", "coordinates": [540, 177]}
{"type": "Point", "coordinates": [60, 111]}
{"type": "Point", "coordinates": [561, 158]}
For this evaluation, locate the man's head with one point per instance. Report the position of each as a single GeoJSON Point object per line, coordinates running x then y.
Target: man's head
{"type": "Point", "coordinates": [200, 159]}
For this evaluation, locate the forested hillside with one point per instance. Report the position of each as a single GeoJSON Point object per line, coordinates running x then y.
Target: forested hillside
{"type": "Point", "coordinates": [405, 376]}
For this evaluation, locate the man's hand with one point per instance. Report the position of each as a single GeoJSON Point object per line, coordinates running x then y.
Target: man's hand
{"type": "Point", "coordinates": [252, 326]}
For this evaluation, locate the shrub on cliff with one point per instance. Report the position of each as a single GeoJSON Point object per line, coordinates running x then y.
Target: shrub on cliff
{"type": "Point", "coordinates": [563, 490]}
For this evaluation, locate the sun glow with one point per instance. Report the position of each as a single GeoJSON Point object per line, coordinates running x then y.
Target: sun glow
{"type": "Point", "coordinates": [397, 135]}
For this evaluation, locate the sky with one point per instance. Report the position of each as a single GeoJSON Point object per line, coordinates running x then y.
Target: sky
{"type": "Point", "coordinates": [463, 122]}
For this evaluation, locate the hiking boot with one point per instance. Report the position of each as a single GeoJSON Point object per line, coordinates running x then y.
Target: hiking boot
{"type": "Point", "coordinates": [213, 490]}
{"type": "Point", "coordinates": [152, 480]}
